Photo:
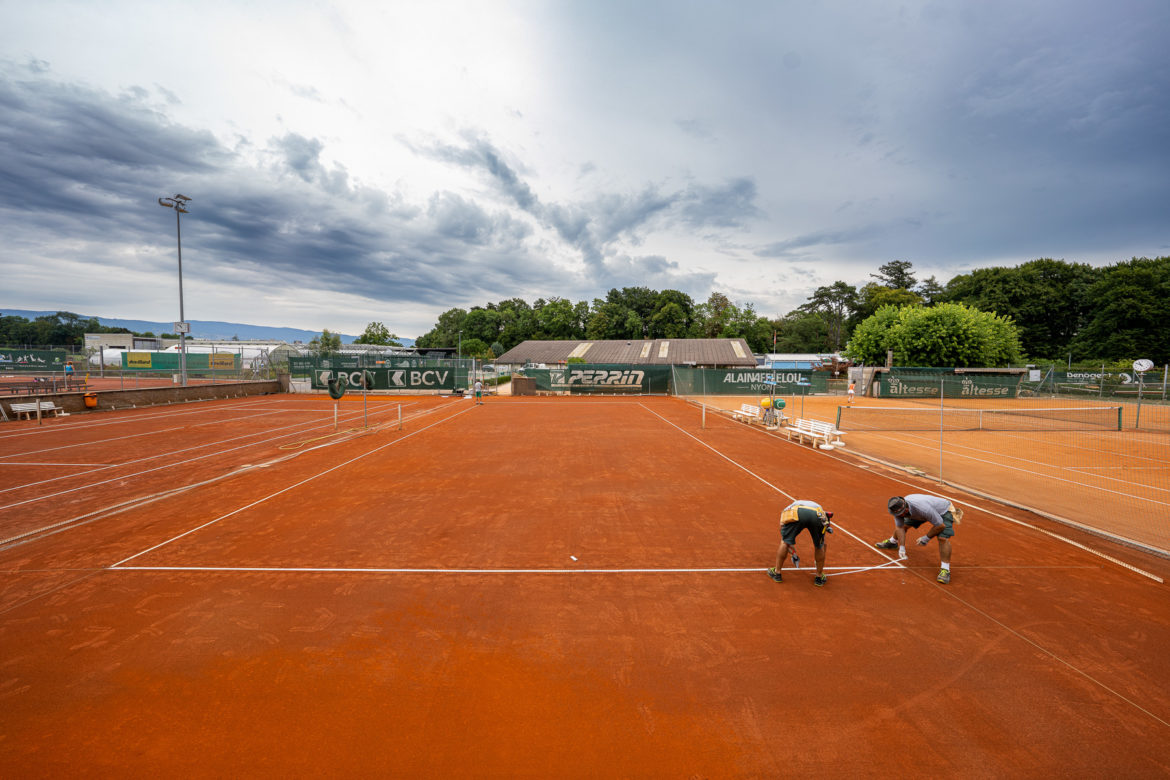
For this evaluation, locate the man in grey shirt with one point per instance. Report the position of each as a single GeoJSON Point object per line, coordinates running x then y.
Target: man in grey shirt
{"type": "Point", "coordinates": [914, 510]}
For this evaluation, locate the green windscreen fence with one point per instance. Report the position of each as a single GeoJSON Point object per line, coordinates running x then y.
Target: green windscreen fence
{"type": "Point", "coordinates": [33, 359]}
{"type": "Point", "coordinates": [383, 373]}
{"type": "Point", "coordinates": [169, 361]}
{"type": "Point", "coordinates": [946, 383]}
{"type": "Point", "coordinates": [738, 381]}
{"type": "Point", "coordinates": [602, 378]}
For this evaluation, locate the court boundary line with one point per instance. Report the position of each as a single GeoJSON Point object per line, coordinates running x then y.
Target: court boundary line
{"type": "Point", "coordinates": [987, 496]}
{"type": "Point", "coordinates": [139, 501]}
{"type": "Point", "coordinates": [954, 453]}
{"type": "Point", "coordinates": [592, 570]}
{"type": "Point", "coordinates": [867, 545]}
{"type": "Point", "coordinates": [1124, 541]}
{"type": "Point", "coordinates": [291, 487]}
{"type": "Point", "coordinates": [950, 594]}
{"type": "Point", "coordinates": [300, 427]}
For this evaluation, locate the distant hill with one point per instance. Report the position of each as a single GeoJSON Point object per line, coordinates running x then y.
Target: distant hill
{"type": "Point", "coordinates": [204, 329]}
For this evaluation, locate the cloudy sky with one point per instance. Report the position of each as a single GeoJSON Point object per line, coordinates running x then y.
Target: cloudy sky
{"type": "Point", "coordinates": [359, 161]}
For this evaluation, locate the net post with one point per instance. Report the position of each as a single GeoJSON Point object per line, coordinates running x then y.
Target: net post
{"type": "Point", "coordinates": [704, 416]}
{"type": "Point", "coordinates": [399, 416]}
{"type": "Point", "coordinates": [1119, 418]}
{"type": "Point", "coordinates": [838, 426]}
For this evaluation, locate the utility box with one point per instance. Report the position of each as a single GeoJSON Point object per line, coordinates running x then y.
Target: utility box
{"type": "Point", "coordinates": [523, 385]}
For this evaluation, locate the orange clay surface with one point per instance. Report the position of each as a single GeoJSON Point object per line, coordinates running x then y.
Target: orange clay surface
{"type": "Point", "coordinates": [1114, 481]}
{"type": "Point", "coordinates": [565, 587]}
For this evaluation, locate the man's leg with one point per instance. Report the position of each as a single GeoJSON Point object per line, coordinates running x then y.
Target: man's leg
{"type": "Point", "coordinates": [944, 552]}
{"type": "Point", "coordinates": [781, 555]}
{"type": "Point", "coordinates": [819, 557]}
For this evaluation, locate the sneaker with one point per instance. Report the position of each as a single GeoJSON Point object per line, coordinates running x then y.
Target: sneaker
{"type": "Point", "coordinates": [820, 580]}
{"type": "Point", "coordinates": [944, 576]}
{"type": "Point", "coordinates": [886, 544]}
{"type": "Point", "coordinates": [775, 575]}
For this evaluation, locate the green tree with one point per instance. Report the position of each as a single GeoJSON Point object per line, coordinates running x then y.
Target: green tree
{"type": "Point", "coordinates": [896, 275]}
{"type": "Point", "coordinates": [1047, 299]}
{"type": "Point", "coordinates": [931, 291]}
{"type": "Point", "coordinates": [946, 335]}
{"type": "Point", "coordinates": [872, 297]}
{"type": "Point", "coordinates": [377, 333]}
{"type": "Point", "coordinates": [497, 349]}
{"type": "Point", "coordinates": [800, 331]}
{"type": "Point", "coordinates": [1131, 312]}
{"type": "Point", "coordinates": [873, 336]}
{"type": "Point", "coordinates": [835, 303]}
{"type": "Point", "coordinates": [446, 330]}
{"type": "Point", "coordinates": [475, 348]}
{"type": "Point", "coordinates": [325, 344]}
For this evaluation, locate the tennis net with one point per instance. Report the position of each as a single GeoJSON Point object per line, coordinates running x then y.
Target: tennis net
{"type": "Point", "coordinates": [890, 418]}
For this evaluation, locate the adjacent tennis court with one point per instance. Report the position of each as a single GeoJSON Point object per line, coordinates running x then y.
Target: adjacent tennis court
{"type": "Point", "coordinates": [569, 586]}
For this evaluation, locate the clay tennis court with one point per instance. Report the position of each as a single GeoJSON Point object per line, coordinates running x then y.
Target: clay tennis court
{"type": "Point", "coordinates": [547, 586]}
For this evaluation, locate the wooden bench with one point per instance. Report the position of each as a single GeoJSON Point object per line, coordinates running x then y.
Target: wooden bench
{"type": "Point", "coordinates": [29, 410]}
{"type": "Point", "coordinates": [815, 431]}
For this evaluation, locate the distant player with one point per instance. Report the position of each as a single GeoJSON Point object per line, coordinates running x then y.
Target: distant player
{"type": "Point", "coordinates": [852, 387]}
{"type": "Point", "coordinates": [798, 516]}
{"type": "Point", "coordinates": [914, 510]}
{"type": "Point", "coordinates": [479, 392]}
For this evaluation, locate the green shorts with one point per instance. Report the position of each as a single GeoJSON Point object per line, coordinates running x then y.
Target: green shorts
{"type": "Point", "coordinates": [815, 527]}
{"type": "Point", "coordinates": [948, 525]}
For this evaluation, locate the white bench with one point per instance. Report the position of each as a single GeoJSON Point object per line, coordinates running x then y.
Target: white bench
{"type": "Point", "coordinates": [29, 410]}
{"type": "Point", "coordinates": [748, 412]}
{"type": "Point", "coordinates": [814, 431]}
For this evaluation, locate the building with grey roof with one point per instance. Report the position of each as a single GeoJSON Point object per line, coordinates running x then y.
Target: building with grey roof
{"type": "Point", "coordinates": [704, 353]}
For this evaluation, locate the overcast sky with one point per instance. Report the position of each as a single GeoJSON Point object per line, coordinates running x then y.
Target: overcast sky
{"type": "Point", "coordinates": [352, 162]}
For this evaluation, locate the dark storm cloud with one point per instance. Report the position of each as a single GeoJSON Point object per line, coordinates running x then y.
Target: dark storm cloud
{"type": "Point", "coordinates": [84, 164]}
{"type": "Point", "coordinates": [592, 227]}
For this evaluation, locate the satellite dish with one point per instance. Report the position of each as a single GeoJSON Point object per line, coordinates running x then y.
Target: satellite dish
{"type": "Point", "coordinates": [1142, 365]}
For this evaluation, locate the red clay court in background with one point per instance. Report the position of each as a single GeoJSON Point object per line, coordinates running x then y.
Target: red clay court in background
{"type": "Point", "coordinates": [545, 587]}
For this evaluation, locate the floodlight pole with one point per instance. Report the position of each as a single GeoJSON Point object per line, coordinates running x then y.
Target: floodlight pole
{"type": "Point", "coordinates": [178, 203]}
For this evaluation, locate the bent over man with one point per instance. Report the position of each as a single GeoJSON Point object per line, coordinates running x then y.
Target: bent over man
{"type": "Point", "coordinates": [796, 517]}
{"type": "Point", "coordinates": [914, 510]}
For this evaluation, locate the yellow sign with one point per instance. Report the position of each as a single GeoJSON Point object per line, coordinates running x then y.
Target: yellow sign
{"type": "Point", "coordinates": [138, 360]}
{"type": "Point", "coordinates": [222, 361]}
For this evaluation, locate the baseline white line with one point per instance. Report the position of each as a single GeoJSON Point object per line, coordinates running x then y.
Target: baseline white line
{"type": "Point", "coordinates": [377, 570]}
{"type": "Point", "coordinates": [291, 487]}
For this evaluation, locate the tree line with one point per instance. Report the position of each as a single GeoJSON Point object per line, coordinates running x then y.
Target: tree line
{"type": "Point", "coordinates": [1042, 310]}
{"type": "Point", "coordinates": [63, 329]}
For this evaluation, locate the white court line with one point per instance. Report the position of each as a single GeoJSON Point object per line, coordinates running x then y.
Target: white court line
{"type": "Point", "coordinates": [954, 450]}
{"type": "Point", "coordinates": [84, 465]}
{"type": "Point", "coordinates": [374, 570]}
{"type": "Point", "coordinates": [64, 525]}
{"type": "Point", "coordinates": [291, 487]}
{"type": "Point", "coordinates": [78, 445]}
{"type": "Point", "coordinates": [836, 527]}
{"type": "Point", "coordinates": [1001, 464]}
{"type": "Point", "coordinates": [1058, 537]}
{"type": "Point", "coordinates": [298, 428]}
